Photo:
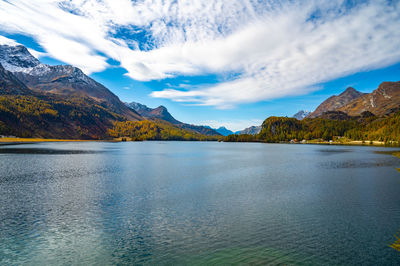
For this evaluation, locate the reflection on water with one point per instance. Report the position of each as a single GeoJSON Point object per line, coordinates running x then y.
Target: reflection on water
{"type": "Point", "coordinates": [396, 244]}
{"type": "Point", "coordinates": [197, 203]}
{"type": "Point", "coordinates": [333, 151]}
{"type": "Point", "coordinates": [42, 151]}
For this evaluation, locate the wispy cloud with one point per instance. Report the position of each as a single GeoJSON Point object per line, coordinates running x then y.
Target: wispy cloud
{"type": "Point", "coordinates": [273, 48]}
{"type": "Point", "coordinates": [7, 41]}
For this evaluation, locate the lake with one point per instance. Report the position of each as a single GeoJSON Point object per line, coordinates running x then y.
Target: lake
{"type": "Point", "coordinates": [197, 203]}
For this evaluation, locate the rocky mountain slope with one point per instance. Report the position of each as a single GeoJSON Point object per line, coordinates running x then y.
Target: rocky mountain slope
{"type": "Point", "coordinates": [333, 103]}
{"type": "Point", "coordinates": [381, 102]}
{"type": "Point", "coordinates": [162, 113]}
{"type": "Point", "coordinates": [62, 80]}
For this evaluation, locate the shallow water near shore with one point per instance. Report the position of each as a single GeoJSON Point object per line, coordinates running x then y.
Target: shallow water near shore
{"type": "Point", "coordinates": [197, 203]}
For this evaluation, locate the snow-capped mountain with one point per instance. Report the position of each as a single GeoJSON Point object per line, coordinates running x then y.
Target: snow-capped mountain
{"type": "Point", "coordinates": [300, 115]}
{"type": "Point", "coordinates": [64, 80]}
{"type": "Point", "coordinates": [17, 59]}
{"type": "Point", "coordinates": [253, 130]}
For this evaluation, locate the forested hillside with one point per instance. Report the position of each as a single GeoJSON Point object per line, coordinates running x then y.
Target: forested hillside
{"type": "Point", "coordinates": [330, 126]}
{"type": "Point", "coordinates": [154, 130]}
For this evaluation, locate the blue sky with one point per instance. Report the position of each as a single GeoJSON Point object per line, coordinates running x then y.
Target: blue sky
{"type": "Point", "coordinates": [216, 62]}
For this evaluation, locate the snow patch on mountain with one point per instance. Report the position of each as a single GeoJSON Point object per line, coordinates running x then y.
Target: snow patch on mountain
{"type": "Point", "coordinates": [300, 115]}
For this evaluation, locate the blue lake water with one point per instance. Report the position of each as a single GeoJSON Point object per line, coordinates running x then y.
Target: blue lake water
{"type": "Point", "coordinates": [197, 203]}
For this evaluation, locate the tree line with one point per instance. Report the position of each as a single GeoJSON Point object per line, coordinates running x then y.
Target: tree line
{"type": "Point", "coordinates": [365, 127]}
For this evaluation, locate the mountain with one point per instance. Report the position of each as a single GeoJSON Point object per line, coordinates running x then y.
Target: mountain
{"type": "Point", "coordinates": [9, 84]}
{"type": "Point", "coordinates": [38, 100]}
{"type": "Point", "coordinates": [224, 131]}
{"type": "Point", "coordinates": [153, 113]}
{"type": "Point", "coordinates": [300, 115]}
{"type": "Point", "coordinates": [221, 130]}
{"type": "Point", "coordinates": [334, 103]}
{"type": "Point", "coordinates": [162, 113]}
{"type": "Point", "coordinates": [17, 58]}
{"type": "Point", "coordinates": [26, 113]}
{"type": "Point", "coordinates": [381, 102]}
{"type": "Point", "coordinates": [253, 130]}
{"type": "Point", "coordinates": [155, 130]}
{"type": "Point", "coordinates": [61, 80]}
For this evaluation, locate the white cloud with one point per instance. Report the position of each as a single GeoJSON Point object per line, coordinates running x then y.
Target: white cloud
{"type": "Point", "coordinates": [37, 54]}
{"type": "Point", "coordinates": [273, 48]}
{"type": "Point", "coordinates": [7, 41]}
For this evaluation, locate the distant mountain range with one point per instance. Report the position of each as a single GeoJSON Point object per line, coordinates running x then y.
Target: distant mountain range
{"type": "Point", "coordinates": [222, 130]}
{"type": "Point", "coordinates": [253, 130]}
{"type": "Point", "coordinates": [162, 113]}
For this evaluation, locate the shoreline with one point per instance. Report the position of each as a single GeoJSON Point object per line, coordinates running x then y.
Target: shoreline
{"type": "Point", "coordinates": [34, 140]}
{"type": "Point", "coordinates": [344, 143]}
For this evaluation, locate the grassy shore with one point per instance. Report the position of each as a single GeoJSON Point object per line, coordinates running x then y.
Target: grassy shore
{"type": "Point", "coordinates": [345, 141]}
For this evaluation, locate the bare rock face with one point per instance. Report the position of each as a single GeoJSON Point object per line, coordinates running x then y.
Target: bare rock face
{"type": "Point", "coordinates": [382, 101]}
{"type": "Point", "coordinates": [63, 80]}
{"type": "Point", "coordinates": [334, 103]}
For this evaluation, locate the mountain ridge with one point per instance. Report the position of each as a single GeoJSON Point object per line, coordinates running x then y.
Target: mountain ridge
{"type": "Point", "coordinates": [381, 102]}
{"type": "Point", "coordinates": [253, 130]}
{"type": "Point", "coordinates": [161, 112]}
{"type": "Point", "coordinates": [335, 102]}
{"type": "Point", "coordinates": [26, 113]}
{"type": "Point", "coordinates": [63, 80]}
{"type": "Point", "coordinates": [300, 115]}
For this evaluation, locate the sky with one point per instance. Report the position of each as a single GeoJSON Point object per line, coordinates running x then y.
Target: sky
{"type": "Point", "coordinates": [226, 63]}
